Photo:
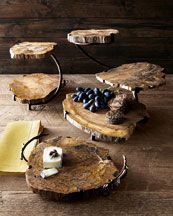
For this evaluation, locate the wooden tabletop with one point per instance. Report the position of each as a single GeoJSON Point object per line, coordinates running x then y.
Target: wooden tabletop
{"type": "Point", "coordinates": [148, 187]}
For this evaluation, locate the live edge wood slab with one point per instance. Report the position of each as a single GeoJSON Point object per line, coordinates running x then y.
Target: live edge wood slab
{"type": "Point", "coordinates": [147, 189]}
{"type": "Point", "coordinates": [34, 88]}
{"type": "Point", "coordinates": [96, 124]}
{"type": "Point", "coordinates": [140, 75]}
{"type": "Point", "coordinates": [87, 170]}
{"type": "Point", "coordinates": [92, 36]}
{"type": "Point", "coordinates": [32, 50]}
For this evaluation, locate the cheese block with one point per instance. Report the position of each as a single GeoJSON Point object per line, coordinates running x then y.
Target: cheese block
{"type": "Point", "coordinates": [15, 135]}
{"type": "Point", "coordinates": [52, 157]}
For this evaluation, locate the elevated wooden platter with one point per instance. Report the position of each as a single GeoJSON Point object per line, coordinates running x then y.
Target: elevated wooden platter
{"type": "Point", "coordinates": [96, 123]}
{"type": "Point", "coordinates": [32, 50]}
{"type": "Point", "coordinates": [34, 88]}
{"type": "Point", "coordinates": [86, 168]}
{"type": "Point", "coordinates": [140, 75]}
{"type": "Point", "coordinates": [92, 36]}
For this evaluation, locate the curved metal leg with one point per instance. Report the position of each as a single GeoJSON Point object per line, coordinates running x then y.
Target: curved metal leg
{"type": "Point", "coordinates": [135, 94]}
{"type": "Point", "coordinates": [92, 58]}
{"type": "Point", "coordinates": [59, 84]}
{"type": "Point", "coordinates": [22, 156]}
{"type": "Point", "coordinates": [60, 73]}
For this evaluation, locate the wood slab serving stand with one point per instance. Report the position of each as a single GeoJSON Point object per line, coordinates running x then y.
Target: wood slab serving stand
{"type": "Point", "coordinates": [36, 88]}
{"type": "Point", "coordinates": [87, 37]}
{"type": "Point", "coordinates": [132, 77]}
{"type": "Point", "coordinates": [86, 170]}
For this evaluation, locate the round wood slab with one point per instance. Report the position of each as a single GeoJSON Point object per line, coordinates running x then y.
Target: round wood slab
{"type": "Point", "coordinates": [141, 75]}
{"type": "Point", "coordinates": [34, 88]}
{"type": "Point", "coordinates": [32, 50]}
{"type": "Point", "coordinates": [86, 168]}
{"type": "Point", "coordinates": [96, 123]}
{"type": "Point", "coordinates": [92, 36]}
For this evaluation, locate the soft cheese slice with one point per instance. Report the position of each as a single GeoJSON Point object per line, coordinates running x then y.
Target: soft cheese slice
{"type": "Point", "coordinates": [48, 172]}
{"type": "Point", "coordinates": [11, 142]}
{"type": "Point", "coordinates": [50, 160]}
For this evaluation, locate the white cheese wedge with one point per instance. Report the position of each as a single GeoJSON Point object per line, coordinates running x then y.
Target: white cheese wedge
{"type": "Point", "coordinates": [52, 157]}
{"type": "Point", "coordinates": [48, 172]}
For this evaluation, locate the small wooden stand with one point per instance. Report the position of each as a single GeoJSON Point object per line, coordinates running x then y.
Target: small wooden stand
{"type": "Point", "coordinates": [92, 37]}
{"type": "Point", "coordinates": [134, 77]}
{"type": "Point", "coordinates": [96, 124]}
{"type": "Point", "coordinates": [37, 88]}
{"type": "Point", "coordinates": [87, 170]}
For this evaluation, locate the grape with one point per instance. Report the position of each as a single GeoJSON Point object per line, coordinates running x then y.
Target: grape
{"type": "Point", "coordinates": [75, 99]}
{"type": "Point", "coordinates": [92, 108]}
{"type": "Point", "coordinates": [74, 95]}
{"type": "Point", "coordinates": [91, 96]}
{"type": "Point", "coordinates": [98, 98]}
{"type": "Point", "coordinates": [87, 89]}
{"type": "Point", "coordinates": [78, 93]}
{"type": "Point", "coordinates": [90, 92]}
{"type": "Point", "coordinates": [88, 104]}
{"type": "Point", "coordinates": [97, 104]}
{"type": "Point", "coordinates": [106, 90]}
{"type": "Point", "coordinates": [85, 100]}
{"type": "Point", "coordinates": [107, 94]}
{"type": "Point", "coordinates": [79, 89]}
{"type": "Point", "coordinates": [103, 105]}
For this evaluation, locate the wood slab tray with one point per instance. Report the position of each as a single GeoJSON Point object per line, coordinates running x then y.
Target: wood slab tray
{"type": "Point", "coordinates": [86, 169]}
{"type": "Point", "coordinates": [140, 75]}
{"type": "Point", "coordinates": [92, 36]}
{"type": "Point", "coordinates": [32, 50]}
{"type": "Point", "coordinates": [96, 123]}
{"type": "Point", "coordinates": [34, 88]}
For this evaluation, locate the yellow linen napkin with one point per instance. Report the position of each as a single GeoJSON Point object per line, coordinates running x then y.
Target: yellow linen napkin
{"type": "Point", "coordinates": [11, 142]}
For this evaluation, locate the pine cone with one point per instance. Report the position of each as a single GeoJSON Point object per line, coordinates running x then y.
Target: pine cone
{"type": "Point", "coordinates": [115, 117]}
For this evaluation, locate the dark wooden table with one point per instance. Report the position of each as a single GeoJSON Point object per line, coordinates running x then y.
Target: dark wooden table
{"type": "Point", "coordinates": [148, 188]}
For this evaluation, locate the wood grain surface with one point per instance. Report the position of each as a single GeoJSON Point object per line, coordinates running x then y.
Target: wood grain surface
{"type": "Point", "coordinates": [146, 32]}
{"type": "Point", "coordinates": [147, 190]}
{"type": "Point", "coordinates": [34, 88]}
{"type": "Point", "coordinates": [96, 123]}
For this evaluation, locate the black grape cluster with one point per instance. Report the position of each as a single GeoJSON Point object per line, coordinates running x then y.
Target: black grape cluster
{"type": "Point", "coordinates": [93, 99]}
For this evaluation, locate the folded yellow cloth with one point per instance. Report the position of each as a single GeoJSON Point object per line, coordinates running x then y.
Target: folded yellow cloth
{"type": "Point", "coordinates": [11, 142]}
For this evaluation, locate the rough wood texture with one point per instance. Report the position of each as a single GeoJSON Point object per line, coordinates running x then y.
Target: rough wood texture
{"type": "Point", "coordinates": [32, 50]}
{"type": "Point", "coordinates": [92, 36]}
{"type": "Point", "coordinates": [85, 167]}
{"type": "Point", "coordinates": [146, 32]}
{"type": "Point", "coordinates": [140, 75]}
{"type": "Point", "coordinates": [147, 190]}
{"type": "Point", "coordinates": [34, 88]}
{"type": "Point", "coordinates": [96, 123]}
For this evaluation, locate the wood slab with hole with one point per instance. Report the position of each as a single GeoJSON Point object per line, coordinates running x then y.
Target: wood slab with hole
{"type": "Point", "coordinates": [140, 75]}
{"type": "Point", "coordinates": [92, 36]}
{"type": "Point", "coordinates": [32, 50]}
{"type": "Point", "coordinates": [34, 88]}
{"type": "Point", "coordinates": [96, 123]}
{"type": "Point", "coordinates": [86, 168]}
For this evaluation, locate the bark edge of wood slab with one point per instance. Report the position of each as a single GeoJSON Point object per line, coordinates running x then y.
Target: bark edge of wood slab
{"type": "Point", "coordinates": [96, 125]}
{"type": "Point", "coordinates": [34, 88]}
{"type": "Point", "coordinates": [87, 169]}
{"type": "Point", "coordinates": [140, 75]}
{"type": "Point", "coordinates": [32, 50]}
{"type": "Point", "coordinates": [92, 36]}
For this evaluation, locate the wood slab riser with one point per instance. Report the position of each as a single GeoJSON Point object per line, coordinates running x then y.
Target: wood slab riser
{"type": "Point", "coordinates": [95, 135]}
